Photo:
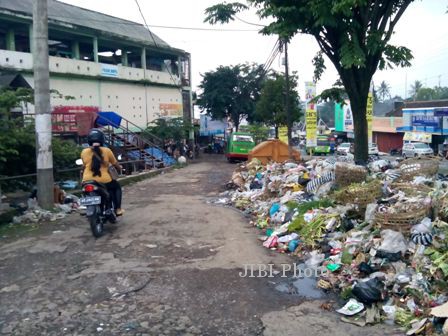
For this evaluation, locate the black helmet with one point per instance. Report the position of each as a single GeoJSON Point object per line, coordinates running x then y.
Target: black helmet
{"type": "Point", "coordinates": [95, 135]}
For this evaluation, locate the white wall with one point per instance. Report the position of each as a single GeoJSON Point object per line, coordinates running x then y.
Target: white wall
{"type": "Point", "coordinates": [24, 61]}
{"type": "Point", "coordinates": [138, 103]}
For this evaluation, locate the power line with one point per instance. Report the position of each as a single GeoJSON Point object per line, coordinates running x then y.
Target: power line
{"type": "Point", "coordinates": [155, 43]}
{"type": "Point", "coordinates": [272, 55]}
{"type": "Point", "coordinates": [249, 23]}
{"type": "Point", "coordinates": [129, 23]}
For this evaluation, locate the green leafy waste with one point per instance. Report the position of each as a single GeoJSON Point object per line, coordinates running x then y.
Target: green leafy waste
{"type": "Point", "coordinates": [302, 208]}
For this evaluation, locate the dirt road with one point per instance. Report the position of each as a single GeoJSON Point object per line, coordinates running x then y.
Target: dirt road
{"type": "Point", "coordinates": [169, 267]}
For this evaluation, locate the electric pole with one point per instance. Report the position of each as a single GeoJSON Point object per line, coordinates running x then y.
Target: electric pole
{"type": "Point", "coordinates": [287, 102]}
{"type": "Point", "coordinates": [44, 154]}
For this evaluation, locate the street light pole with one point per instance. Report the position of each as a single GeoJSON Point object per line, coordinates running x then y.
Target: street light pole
{"type": "Point", "coordinates": [44, 152]}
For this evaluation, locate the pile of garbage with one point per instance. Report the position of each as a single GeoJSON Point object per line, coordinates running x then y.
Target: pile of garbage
{"type": "Point", "coordinates": [33, 214]}
{"type": "Point", "coordinates": [378, 231]}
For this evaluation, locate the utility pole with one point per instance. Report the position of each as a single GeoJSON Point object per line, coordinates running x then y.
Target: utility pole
{"type": "Point", "coordinates": [287, 102]}
{"type": "Point", "coordinates": [44, 152]}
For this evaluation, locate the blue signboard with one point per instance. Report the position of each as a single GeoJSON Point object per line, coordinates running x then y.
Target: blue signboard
{"type": "Point", "coordinates": [426, 121]}
{"type": "Point", "coordinates": [441, 112]}
{"type": "Point", "coordinates": [109, 70]}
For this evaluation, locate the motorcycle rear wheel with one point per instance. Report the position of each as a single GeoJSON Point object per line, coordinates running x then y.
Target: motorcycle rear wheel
{"type": "Point", "coordinates": [96, 225]}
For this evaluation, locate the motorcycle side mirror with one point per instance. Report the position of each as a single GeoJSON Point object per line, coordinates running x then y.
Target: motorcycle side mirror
{"type": "Point", "coordinates": [78, 162]}
{"type": "Point", "coordinates": [120, 157]}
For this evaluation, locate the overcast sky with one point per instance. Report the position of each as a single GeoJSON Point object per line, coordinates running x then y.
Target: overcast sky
{"type": "Point", "coordinates": [423, 29]}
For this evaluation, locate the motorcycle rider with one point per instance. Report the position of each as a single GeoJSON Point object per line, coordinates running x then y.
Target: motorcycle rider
{"type": "Point", "coordinates": [96, 160]}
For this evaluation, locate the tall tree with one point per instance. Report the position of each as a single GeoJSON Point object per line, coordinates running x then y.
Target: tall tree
{"type": "Point", "coordinates": [384, 91]}
{"type": "Point", "coordinates": [270, 108]}
{"type": "Point", "coordinates": [353, 34]}
{"type": "Point", "coordinates": [167, 129]}
{"type": "Point", "coordinates": [415, 88]}
{"type": "Point", "coordinates": [426, 94]}
{"type": "Point", "coordinates": [230, 92]}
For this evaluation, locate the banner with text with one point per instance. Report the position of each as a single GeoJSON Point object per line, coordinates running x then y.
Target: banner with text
{"type": "Point", "coordinates": [311, 115]}
{"type": "Point", "coordinates": [283, 134]}
{"type": "Point", "coordinates": [369, 116]}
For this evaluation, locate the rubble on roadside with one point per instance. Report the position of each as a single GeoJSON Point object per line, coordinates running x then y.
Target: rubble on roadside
{"type": "Point", "coordinates": [34, 214]}
{"type": "Point", "coordinates": [380, 231]}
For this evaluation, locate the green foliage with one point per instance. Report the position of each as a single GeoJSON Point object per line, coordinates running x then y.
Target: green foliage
{"type": "Point", "coordinates": [18, 154]}
{"type": "Point", "coordinates": [353, 34]}
{"type": "Point", "coordinates": [298, 223]}
{"type": "Point", "coordinates": [346, 293]}
{"type": "Point", "coordinates": [337, 94]}
{"type": "Point", "coordinates": [384, 91]}
{"type": "Point", "coordinates": [65, 153]}
{"type": "Point", "coordinates": [230, 92]}
{"type": "Point", "coordinates": [168, 129]}
{"type": "Point", "coordinates": [415, 88]}
{"type": "Point", "coordinates": [18, 144]}
{"type": "Point", "coordinates": [319, 65]}
{"type": "Point", "coordinates": [270, 108]}
{"type": "Point", "coordinates": [422, 93]}
{"type": "Point", "coordinates": [259, 131]}
{"type": "Point", "coordinates": [223, 12]}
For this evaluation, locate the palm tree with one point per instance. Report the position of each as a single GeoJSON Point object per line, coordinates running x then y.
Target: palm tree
{"type": "Point", "coordinates": [415, 88]}
{"type": "Point", "coordinates": [384, 91]}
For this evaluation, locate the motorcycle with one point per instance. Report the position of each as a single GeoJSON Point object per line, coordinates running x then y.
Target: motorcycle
{"type": "Point", "coordinates": [99, 209]}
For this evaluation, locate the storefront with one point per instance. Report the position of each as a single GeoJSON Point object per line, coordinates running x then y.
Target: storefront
{"type": "Point", "coordinates": [426, 124]}
{"type": "Point", "coordinates": [385, 133]}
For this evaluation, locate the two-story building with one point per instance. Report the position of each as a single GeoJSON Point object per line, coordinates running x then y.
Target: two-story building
{"type": "Point", "coordinates": [99, 60]}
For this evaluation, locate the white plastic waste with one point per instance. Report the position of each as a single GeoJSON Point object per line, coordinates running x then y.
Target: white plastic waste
{"type": "Point", "coordinates": [352, 307]}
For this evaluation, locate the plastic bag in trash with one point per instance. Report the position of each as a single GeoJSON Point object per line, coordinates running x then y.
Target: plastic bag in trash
{"type": "Point", "coordinates": [365, 268]}
{"type": "Point", "coordinates": [278, 217]}
{"type": "Point", "coordinates": [370, 212]}
{"type": "Point", "coordinates": [423, 227]}
{"type": "Point", "coordinates": [292, 245]}
{"type": "Point", "coordinates": [390, 311]}
{"type": "Point", "coordinates": [421, 238]}
{"type": "Point", "coordinates": [391, 256]}
{"type": "Point", "coordinates": [256, 184]}
{"type": "Point", "coordinates": [352, 307]}
{"type": "Point", "coordinates": [272, 241]}
{"type": "Point", "coordinates": [315, 259]}
{"type": "Point", "coordinates": [274, 208]}
{"type": "Point", "coordinates": [288, 238]}
{"type": "Point", "coordinates": [393, 242]}
{"type": "Point", "coordinates": [368, 291]}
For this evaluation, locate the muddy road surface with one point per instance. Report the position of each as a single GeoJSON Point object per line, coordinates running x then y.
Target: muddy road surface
{"type": "Point", "coordinates": [170, 266]}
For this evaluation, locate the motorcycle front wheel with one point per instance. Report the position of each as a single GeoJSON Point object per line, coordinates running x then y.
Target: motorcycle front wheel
{"type": "Point", "coordinates": [96, 224]}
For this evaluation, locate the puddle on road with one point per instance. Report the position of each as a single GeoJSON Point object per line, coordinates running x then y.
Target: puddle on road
{"type": "Point", "coordinates": [301, 286]}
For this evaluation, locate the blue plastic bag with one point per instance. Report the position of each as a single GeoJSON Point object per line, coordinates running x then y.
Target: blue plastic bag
{"type": "Point", "coordinates": [274, 208]}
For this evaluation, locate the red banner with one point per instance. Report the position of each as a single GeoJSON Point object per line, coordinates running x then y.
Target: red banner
{"type": "Point", "coordinates": [74, 119]}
